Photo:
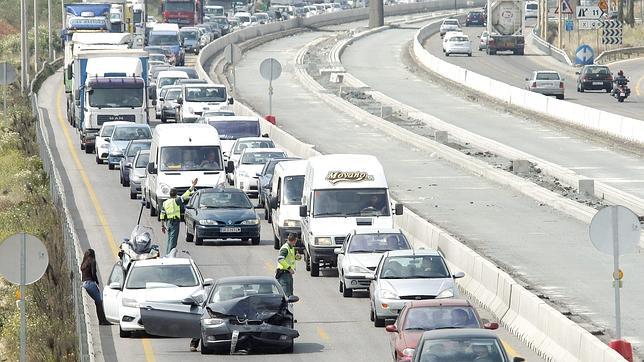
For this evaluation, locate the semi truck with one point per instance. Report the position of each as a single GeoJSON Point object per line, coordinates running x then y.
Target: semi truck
{"type": "Point", "coordinates": [85, 17]}
{"type": "Point", "coordinates": [107, 85]}
{"type": "Point", "coordinates": [506, 25]}
{"type": "Point", "coordinates": [182, 12]}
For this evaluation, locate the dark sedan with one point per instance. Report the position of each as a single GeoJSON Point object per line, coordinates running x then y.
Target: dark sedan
{"type": "Point", "coordinates": [125, 164]}
{"type": "Point", "coordinates": [221, 213]}
{"type": "Point", "coordinates": [462, 345]}
{"type": "Point", "coordinates": [594, 77]}
{"type": "Point", "coordinates": [239, 315]}
{"type": "Point", "coordinates": [475, 18]}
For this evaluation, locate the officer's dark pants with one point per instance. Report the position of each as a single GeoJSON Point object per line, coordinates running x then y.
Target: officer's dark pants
{"type": "Point", "coordinates": [173, 235]}
{"type": "Point", "coordinates": [286, 281]}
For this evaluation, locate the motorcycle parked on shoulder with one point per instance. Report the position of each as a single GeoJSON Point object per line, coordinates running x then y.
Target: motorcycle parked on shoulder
{"type": "Point", "coordinates": [139, 245]}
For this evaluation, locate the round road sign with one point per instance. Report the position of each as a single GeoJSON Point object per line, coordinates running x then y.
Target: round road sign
{"type": "Point", "coordinates": [627, 230]}
{"type": "Point", "coordinates": [270, 69]}
{"type": "Point", "coordinates": [36, 258]}
{"type": "Point", "coordinates": [618, 276]}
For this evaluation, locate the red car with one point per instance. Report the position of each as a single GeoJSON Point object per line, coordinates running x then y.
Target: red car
{"type": "Point", "coordinates": [424, 315]}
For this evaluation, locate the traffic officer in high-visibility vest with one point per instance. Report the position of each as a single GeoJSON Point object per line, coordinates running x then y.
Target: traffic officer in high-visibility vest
{"type": "Point", "coordinates": [286, 264]}
{"type": "Point", "coordinates": [171, 215]}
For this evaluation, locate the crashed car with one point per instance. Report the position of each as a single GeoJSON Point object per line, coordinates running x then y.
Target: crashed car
{"type": "Point", "coordinates": [239, 315]}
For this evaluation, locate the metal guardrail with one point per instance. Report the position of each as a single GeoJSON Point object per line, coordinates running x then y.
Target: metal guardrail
{"type": "Point", "coordinates": [73, 251]}
{"type": "Point", "coordinates": [550, 49]}
{"type": "Point", "coordinates": [608, 56]}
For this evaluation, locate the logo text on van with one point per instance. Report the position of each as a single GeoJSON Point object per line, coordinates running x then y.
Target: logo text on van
{"type": "Point", "coordinates": [348, 176]}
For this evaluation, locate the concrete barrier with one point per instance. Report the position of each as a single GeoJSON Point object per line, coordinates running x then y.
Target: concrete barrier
{"type": "Point", "coordinates": [620, 127]}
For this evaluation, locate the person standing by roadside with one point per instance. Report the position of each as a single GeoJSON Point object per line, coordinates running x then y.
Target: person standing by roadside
{"type": "Point", "coordinates": [286, 264]}
{"type": "Point", "coordinates": [171, 215]}
{"type": "Point", "coordinates": [90, 284]}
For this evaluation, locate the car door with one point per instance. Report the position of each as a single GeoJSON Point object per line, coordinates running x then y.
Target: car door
{"type": "Point", "coordinates": [275, 213]}
{"type": "Point", "coordinates": [171, 320]}
{"type": "Point", "coordinates": [341, 257]}
{"type": "Point", "coordinates": [112, 296]}
{"type": "Point", "coordinates": [190, 213]}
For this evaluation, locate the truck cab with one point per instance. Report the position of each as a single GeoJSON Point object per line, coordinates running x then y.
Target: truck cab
{"type": "Point", "coordinates": [341, 193]}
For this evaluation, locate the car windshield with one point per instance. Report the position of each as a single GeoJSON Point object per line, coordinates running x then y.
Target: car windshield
{"type": "Point", "coordinates": [159, 276]}
{"type": "Point", "coordinates": [136, 147]}
{"type": "Point", "coordinates": [228, 291]}
{"type": "Point", "coordinates": [168, 81]}
{"type": "Point", "coordinates": [224, 200]}
{"type": "Point", "coordinates": [178, 6]}
{"type": "Point", "coordinates": [128, 133]}
{"type": "Point", "coordinates": [172, 94]}
{"type": "Point", "coordinates": [241, 145]}
{"type": "Point", "coordinates": [163, 39]}
{"type": "Point", "coordinates": [205, 94]}
{"type": "Point", "coordinates": [547, 76]}
{"type": "Point", "coordinates": [428, 318]}
{"type": "Point", "coordinates": [350, 202]}
{"type": "Point", "coordinates": [414, 267]}
{"type": "Point", "coordinates": [293, 186]}
{"type": "Point", "coordinates": [107, 131]}
{"type": "Point", "coordinates": [189, 34]}
{"type": "Point", "coordinates": [116, 97]}
{"type": "Point", "coordinates": [191, 158]}
{"type": "Point", "coordinates": [378, 243]}
{"type": "Point", "coordinates": [260, 158]}
{"type": "Point", "coordinates": [462, 349]}
{"type": "Point", "coordinates": [142, 161]}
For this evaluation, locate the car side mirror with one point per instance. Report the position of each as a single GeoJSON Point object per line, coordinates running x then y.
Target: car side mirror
{"type": "Point", "coordinates": [518, 359]}
{"type": "Point", "coordinates": [107, 139]}
{"type": "Point", "coordinates": [303, 211]}
{"type": "Point", "coordinates": [391, 328]}
{"type": "Point", "coordinates": [208, 282]}
{"type": "Point", "coordinates": [293, 299]}
{"type": "Point", "coordinates": [154, 102]}
{"type": "Point", "coordinates": [338, 251]}
{"type": "Point", "coordinates": [231, 100]}
{"type": "Point", "coordinates": [258, 173]}
{"type": "Point", "coordinates": [151, 169]}
{"type": "Point", "coordinates": [161, 99]}
{"type": "Point", "coordinates": [189, 301]}
{"type": "Point", "coordinates": [115, 285]}
{"type": "Point", "coordinates": [577, 73]}
{"type": "Point", "coordinates": [273, 203]}
{"type": "Point", "coordinates": [398, 209]}
{"type": "Point", "coordinates": [491, 326]}
{"type": "Point", "coordinates": [230, 167]}
{"type": "Point", "coordinates": [458, 275]}
{"type": "Point", "coordinates": [128, 165]}
{"type": "Point", "coordinates": [265, 135]}
{"type": "Point", "coordinates": [527, 79]}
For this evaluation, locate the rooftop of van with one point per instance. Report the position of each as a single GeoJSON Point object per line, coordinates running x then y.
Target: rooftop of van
{"type": "Point", "coordinates": [165, 27]}
{"type": "Point", "coordinates": [172, 73]}
{"type": "Point", "coordinates": [183, 134]}
{"type": "Point", "coordinates": [291, 167]}
{"type": "Point", "coordinates": [231, 118]}
{"type": "Point", "coordinates": [362, 171]}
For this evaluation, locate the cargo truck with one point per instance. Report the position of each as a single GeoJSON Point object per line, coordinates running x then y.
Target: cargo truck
{"type": "Point", "coordinates": [506, 25]}
{"type": "Point", "coordinates": [85, 17]}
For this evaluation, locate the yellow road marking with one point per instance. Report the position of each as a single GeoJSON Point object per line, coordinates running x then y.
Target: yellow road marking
{"type": "Point", "coordinates": [322, 334]}
{"type": "Point", "coordinates": [147, 346]}
{"type": "Point", "coordinates": [637, 86]}
{"type": "Point", "coordinates": [508, 348]}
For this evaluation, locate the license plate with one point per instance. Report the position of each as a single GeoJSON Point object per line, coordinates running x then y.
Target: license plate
{"type": "Point", "coordinates": [598, 83]}
{"type": "Point", "coordinates": [230, 230]}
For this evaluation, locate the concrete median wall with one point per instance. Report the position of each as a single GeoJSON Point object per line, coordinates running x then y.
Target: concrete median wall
{"type": "Point", "coordinates": [614, 125]}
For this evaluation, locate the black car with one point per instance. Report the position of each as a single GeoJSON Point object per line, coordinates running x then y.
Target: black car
{"type": "Point", "coordinates": [475, 18]}
{"type": "Point", "coordinates": [223, 24]}
{"type": "Point", "coordinates": [264, 183]}
{"type": "Point", "coordinates": [221, 213]}
{"type": "Point", "coordinates": [169, 55]}
{"type": "Point", "coordinates": [249, 313]}
{"type": "Point", "coordinates": [125, 164]}
{"type": "Point", "coordinates": [594, 77]}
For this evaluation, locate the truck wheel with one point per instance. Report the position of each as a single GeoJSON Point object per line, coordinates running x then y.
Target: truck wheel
{"type": "Point", "coordinates": [255, 241]}
{"type": "Point", "coordinates": [133, 194]}
{"type": "Point", "coordinates": [306, 261]}
{"type": "Point", "coordinates": [347, 292]}
{"type": "Point", "coordinates": [110, 166]}
{"type": "Point", "coordinates": [82, 146]}
{"type": "Point", "coordinates": [98, 160]}
{"type": "Point", "coordinates": [87, 149]}
{"type": "Point", "coordinates": [189, 237]}
{"type": "Point", "coordinates": [315, 268]}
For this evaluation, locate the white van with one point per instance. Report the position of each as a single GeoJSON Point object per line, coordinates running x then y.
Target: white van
{"type": "Point", "coordinates": [341, 193]}
{"type": "Point", "coordinates": [286, 198]}
{"type": "Point", "coordinates": [180, 153]}
{"type": "Point", "coordinates": [197, 98]}
{"type": "Point", "coordinates": [230, 128]}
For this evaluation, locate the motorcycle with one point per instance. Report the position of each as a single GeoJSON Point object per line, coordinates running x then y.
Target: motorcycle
{"type": "Point", "coordinates": [621, 92]}
{"type": "Point", "coordinates": [139, 245]}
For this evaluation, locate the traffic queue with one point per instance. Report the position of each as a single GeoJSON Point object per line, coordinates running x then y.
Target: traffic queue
{"type": "Point", "coordinates": [198, 170]}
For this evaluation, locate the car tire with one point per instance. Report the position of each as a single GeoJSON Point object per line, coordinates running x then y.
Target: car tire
{"type": "Point", "coordinates": [347, 292]}
{"type": "Point", "coordinates": [289, 348]}
{"type": "Point", "coordinates": [269, 217]}
{"type": "Point", "coordinates": [133, 194]}
{"type": "Point", "coordinates": [306, 261]}
{"type": "Point", "coordinates": [255, 241]}
{"type": "Point", "coordinates": [124, 334]}
{"type": "Point", "coordinates": [110, 166]}
{"type": "Point", "coordinates": [206, 350]}
{"type": "Point", "coordinates": [560, 96]}
{"type": "Point", "coordinates": [276, 243]}
{"type": "Point", "coordinates": [198, 240]}
{"type": "Point", "coordinates": [87, 149]}
{"type": "Point", "coordinates": [315, 268]}
{"type": "Point", "coordinates": [469, 54]}
{"type": "Point", "coordinates": [371, 315]}
{"type": "Point", "coordinates": [147, 202]}
{"type": "Point", "coordinates": [189, 236]}
{"type": "Point", "coordinates": [163, 117]}
{"type": "Point", "coordinates": [378, 322]}
{"type": "Point", "coordinates": [446, 54]}
{"type": "Point", "coordinates": [608, 90]}
{"type": "Point", "coordinates": [153, 210]}
{"type": "Point", "coordinates": [98, 160]}
{"type": "Point", "coordinates": [82, 146]}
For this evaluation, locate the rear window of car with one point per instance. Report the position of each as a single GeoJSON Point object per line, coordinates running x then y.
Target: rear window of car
{"type": "Point", "coordinates": [547, 76]}
{"type": "Point", "coordinates": [597, 70]}
{"type": "Point", "coordinates": [458, 38]}
{"type": "Point", "coordinates": [450, 22]}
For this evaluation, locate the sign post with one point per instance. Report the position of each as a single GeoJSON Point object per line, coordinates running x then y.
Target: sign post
{"type": "Point", "coordinates": [233, 55]}
{"type": "Point", "coordinates": [270, 69]}
{"type": "Point", "coordinates": [32, 258]}
{"type": "Point", "coordinates": [7, 76]}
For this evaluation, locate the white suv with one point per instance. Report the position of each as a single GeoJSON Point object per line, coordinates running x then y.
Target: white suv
{"type": "Point", "coordinates": [449, 25]}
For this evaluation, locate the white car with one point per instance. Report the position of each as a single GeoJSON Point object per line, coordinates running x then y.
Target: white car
{"type": "Point", "coordinates": [165, 78]}
{"type": "Point", "coordinates": [449, 25]}
{"type": "Point", "coordinates": [158, 103]}
{"type": "Point", "coordinates": [153, 280]}
{"type": "Point", "coordinates": [243, 143]}
{"type": "Point", "coordinates": [448, 35]}
{"type": "Point", "coordinates": [458, 44]}
{"type": "Point", "coordinates": [103, 138]}
{"type": "Point", "coordinates": [531, 9]}
{"type": "Point", "coordinates": [360, 254]}
{"type": "Point", "coordinates": [251, 162]}
{"type": "Point", "coordinates": [197, 98]}
{"type": "Point", "coordinates": [243, 18]}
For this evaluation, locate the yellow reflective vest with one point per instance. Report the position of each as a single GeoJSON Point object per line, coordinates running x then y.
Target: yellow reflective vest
{"type": "Point", "coordinates": [286, 259]}
{"type": "Point", "coordinates": [171, 209]}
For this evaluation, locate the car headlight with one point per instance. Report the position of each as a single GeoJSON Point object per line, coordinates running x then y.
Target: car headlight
{"type": "Point", "coordinates": [447, 293]}
{"type": "Point", "coordinates": [130, 302]}
{"type": "Point", "coordinates": [207, 222]}
{"type": "Point", "coordinates": [165, 189]}
{"type": "Point", "coordinates": [212, 322]}
{"type": "Point", "coordinates": [291, 223]}
{"type": "Point", "coordinates": [408, 352]}
{"type": "Point", "coordinates": [323, 241]}
{"type": "Point", "coordinates": [250, 222]}
{"type": "Point", "coordinates": [388, 294]}
{"type": "Point", "coordinates": [358, 269]}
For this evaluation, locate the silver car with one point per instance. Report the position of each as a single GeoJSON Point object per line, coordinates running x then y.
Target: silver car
{"type": "Point", "coordinates": [137, 172]}
{"type": "Point", "coordinates": [360, 254]}
{"type": "Point", "coordinates": [546, 82]}
{"type": "Point", "coordinates": [483, 38]}
{"type": "Point", "coordinates": [405, 275]}
{"type": "Point", "coordinates": [449, 25]}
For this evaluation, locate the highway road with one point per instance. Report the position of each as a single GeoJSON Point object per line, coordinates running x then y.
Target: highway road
{"type": "Point", "coordinates": [513, 70]}
{"type": "Point", "coordinates": [332, 328]}
{"type": "Point", "coordinates": [584, 285]}
{"type": "Point", "coordinates": [531, 241]}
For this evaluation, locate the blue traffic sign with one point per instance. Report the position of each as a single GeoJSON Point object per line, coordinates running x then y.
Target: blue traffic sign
{"type": "Point", "coordinates": [584, 55]}
{"type": "Point", "coordinates": [569, 25]}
